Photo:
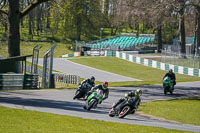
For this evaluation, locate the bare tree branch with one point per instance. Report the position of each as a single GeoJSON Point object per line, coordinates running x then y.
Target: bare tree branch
{"type": "Point", "coordinates": [30, 7]}
{"type": "Point", "coordinates": [3, 12]}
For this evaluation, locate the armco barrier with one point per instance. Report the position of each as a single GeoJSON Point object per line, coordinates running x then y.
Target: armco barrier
{"type": "Point", "coordinates": [158, 65]}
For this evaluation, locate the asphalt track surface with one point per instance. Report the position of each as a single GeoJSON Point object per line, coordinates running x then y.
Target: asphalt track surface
{"type": "Point", "coordinates": [61, 102]}
{"type": "Point", "coordinates": [69, 67]}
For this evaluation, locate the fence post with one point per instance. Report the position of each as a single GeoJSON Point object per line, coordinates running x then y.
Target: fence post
{"type": "Point", "coordinates": [44, 72]}
{"type": "Point", "coordinates": [47, 68]}
{"type": "Point", "coordinates": [51, 67]}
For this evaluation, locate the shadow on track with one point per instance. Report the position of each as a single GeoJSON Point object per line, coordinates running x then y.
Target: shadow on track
{"type": "Point", "coordinates": [65, 105]}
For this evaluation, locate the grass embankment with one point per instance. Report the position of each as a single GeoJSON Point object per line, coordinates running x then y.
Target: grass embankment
{"type": "Point", "coordinates": [26, 48]}
{"type": "Point", "coordinates": [184, 111]}
{"type": "Point", "coordinates": [148, 75]}
{"type": "Point", "coordinates": [23, 121]}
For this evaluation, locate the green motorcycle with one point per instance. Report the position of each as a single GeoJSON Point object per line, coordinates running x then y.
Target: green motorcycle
{"type": "Point", "coordinates": [168, 85]}
{"type": "Point", "coordinates": [94, 99]}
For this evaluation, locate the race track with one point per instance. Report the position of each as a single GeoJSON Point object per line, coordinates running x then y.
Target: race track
{"type": "Point", "coordinates": [60, 102]}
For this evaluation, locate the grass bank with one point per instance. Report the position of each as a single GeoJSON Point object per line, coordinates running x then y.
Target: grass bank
{"type": "Point", "coordinates": [185, 110]}
{"type": "Point", "coordinates": [23, 121]}
{"type": "Point", "coordinates": [26, 48]}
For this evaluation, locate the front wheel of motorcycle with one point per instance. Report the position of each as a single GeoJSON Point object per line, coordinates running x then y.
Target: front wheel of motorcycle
{"type": "Point", "coordinates": [112, 113]}
{"type": "Point", "coordinates": [91, 104]}
{"type": "Point", "coordinates": [125, 111]}
{"type": "Point", "coordinates": [77, 94]}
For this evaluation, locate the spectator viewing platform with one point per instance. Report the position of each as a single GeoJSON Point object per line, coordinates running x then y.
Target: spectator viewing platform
{"type": "Point", "coordinates": [123, 41]}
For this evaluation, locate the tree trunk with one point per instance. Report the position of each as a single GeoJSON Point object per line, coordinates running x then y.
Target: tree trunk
{"type": "Point", "coordinates": [143, 27]}
{"type": "Point", "coordinates": [30, 17]}
{"type": "Point", "coordinates": [159, 37]}
{"type": "Point", "coordinates": [78, 28]}
{"type": "Point", "coordinates": [197, 31]}
{"type": "Point", "coordinates": [14, 35]}
{"type": "Point", "coordinates": [38, 22]}
{"type": "Point", "coordinates": [137, 27]}
{"type": "Point", "coordinates": [112, 30]}
{"type": "Point", "coordinates": [48, 21]}
{"type": "Point", "coordinates": [182, 28]}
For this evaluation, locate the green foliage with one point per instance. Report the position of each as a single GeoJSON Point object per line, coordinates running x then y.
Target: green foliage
{"type": "Point", "coordinates": [184, 111]}
{"type": "Point", "coordinates": [82, 17]}
{"type": "Point", "coordinates": [23, 121]}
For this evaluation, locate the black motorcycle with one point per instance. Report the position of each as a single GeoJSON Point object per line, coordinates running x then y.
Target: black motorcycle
{"type": "Point", "coordinates": [124, 108]}
{"type": "Point", "coordinates": [82, 91]}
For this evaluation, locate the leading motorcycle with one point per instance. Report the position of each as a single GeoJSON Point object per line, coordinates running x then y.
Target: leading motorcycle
{"type": "Point", "coordinates": [124, 108]}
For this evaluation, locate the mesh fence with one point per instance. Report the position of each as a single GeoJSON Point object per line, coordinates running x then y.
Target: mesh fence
{"type": "Point", "coordinates": [176, 58]}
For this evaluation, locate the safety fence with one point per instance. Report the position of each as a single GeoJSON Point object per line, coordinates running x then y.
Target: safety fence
{"type": "Point", "coordinates": [68, 79]}
{"type": "Point", "coordinates": [175, 58]}
{"type": "Point", "coordinates": [159, 65]}
{"type": "Point", "coordinates": [58, 77]}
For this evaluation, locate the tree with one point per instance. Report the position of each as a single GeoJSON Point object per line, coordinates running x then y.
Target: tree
{"type": "Point", "coordinates": [196, 5]}
{"type": "Point", "coordinates": [179, 7]}
{"type": "Point", "coordinates": [14, 16]}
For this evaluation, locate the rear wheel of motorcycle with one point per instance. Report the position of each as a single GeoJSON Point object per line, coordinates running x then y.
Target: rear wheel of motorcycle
{"type": "Point", "coordinates": [165, 91]}
{"type": "Point", "coordinates": [111, 113]}
{"type": "Point", "coordinates": [124, 111]}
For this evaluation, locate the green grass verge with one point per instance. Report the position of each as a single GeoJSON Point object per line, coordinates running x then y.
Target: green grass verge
{"type": "Point", "coordinates": [26, 48]}
{"type": "Point", "coordinates": [149, 75]}
{"type": "Point", "coordinates": [23, 121]}
{"type": "Point", "coordinates": [184, 110]}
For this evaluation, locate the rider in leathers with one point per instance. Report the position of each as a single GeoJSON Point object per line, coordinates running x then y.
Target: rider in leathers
{"type": "Point", "coordinates": [131, 94]}
{"type": "Point", "coordinates": [103, 87]}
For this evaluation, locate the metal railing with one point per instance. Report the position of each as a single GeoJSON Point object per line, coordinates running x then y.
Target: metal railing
{"type": "Point", "coordinates": [58, 77]}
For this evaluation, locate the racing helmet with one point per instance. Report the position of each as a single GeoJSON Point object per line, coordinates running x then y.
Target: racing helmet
{"type": "Point", "coordinates": [92, 78]}
{"type": "Point", "coordinates": [170, 70]}
{"type": "Point", "coordinates": [138, 92]}
{"type": "Point", "coordinates": [105, 85]}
